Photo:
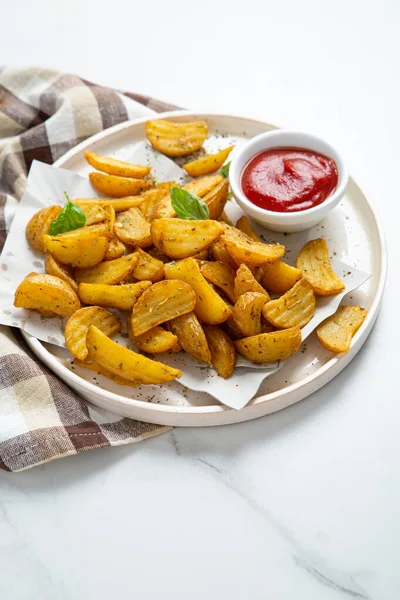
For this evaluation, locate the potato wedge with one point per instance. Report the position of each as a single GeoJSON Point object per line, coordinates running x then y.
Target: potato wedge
{"type": "Point", "coordinates": [278, 277]}
{"type": "Point", "coordinates": [52, 267]}
{"type": "Point", "coordinates": [294, 309]}
{"type": "Point", "coordinates": [246, 282]}
{"type": "Point", "coordinates": [244, 225]}
{"type": "Point", "coordinates": [314, 262]}
{"type": "Point", "coordinates": [78, 324]}
{"type": "Point", "coordinates": [199, 187]}
{"type": "Point", "coordinates": [118, 187]}
{"type": "Point", "coordinates": [221, 254]}
{"type": "Point", "coordinates": [225, 219]}
{"type": "Point", "coordinates": [39, 225]}
{"type": "Point", "coordinates": [210, 307]}
{"type": "Point", "coordinates": [245, 250]}
{"type": "Point", "coordinates": [181, 238]}
{"type": "Point", "coordinates": [176, 139]}
{"type": "Point", "coordinates": [191, 336]}
{"type": "Point", "coordinates": [270, 347]}
{"type": "Point", "coordinates": [207, 164]}
{"type": "Point", "coordinates": [113, 166]}
{"type": "Point", "coordinates": [118, 204]}
{"type": "Point", "coordinates": [110, 271]}
{"type": "Point", "coordinates": [221, 275]}
{"type": "Point", "coordinates": [148, 268]}
{"type": "Point", "coordinates": [116, 249]}
{"type": "Point", "coordinates": [247, 313]}
{"type": "Point", "coordinates": [155, 341]}
{"type": "Point", "coordinates": [337, 331]}
{"type": "Point", "coordinates": [223, 354]}
{"type": "Point", "coordinates": [94, 213]}
{"type": "Point", "coordinates": [94, 366]}
{"type": "Point", "coordinates": [83, 247]}
{"type": "Point", "coordinates": [125, 363]}
{"type": "Point", "coordinates": [165, 185]}
{"type": "Point", "coordinates": [47, 294]}
{"type": "Point", "coordinates": [109, 218]}
{"type": "Point", "coordinates": [123, 297]}
{"type": "Point", "coordinates": [165, 300]}
{"type": "Point", "coordinates": [150, 200]}
{"type": "Point", "coordinates": [132, 228]}
{"type": "Point", "coordinates": [217, 198]}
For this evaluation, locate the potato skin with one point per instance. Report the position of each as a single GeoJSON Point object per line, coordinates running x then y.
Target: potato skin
{"type": "Point", "coordinates": [39, 225]}
{"type": "Point", "coordinates": [245, 250]}
{"type": "Point", "coordinates": [154, 341]}
{"type": "Point", "coordinates": [108, 271]}
{"type": "Point", "coordinates": [78, 324]}
{"type": "Point", "coordinates": [270, 347]}
{"type": "Point", "coordinates": [207, 164]}
{"type": "Point", "coordinates": [83, 247]}
{"type": "Point", "coordinates": [122, 297]}
{"type": "Point", "coordinates": [47, 294]}
{"type": "Point", "coordinates": [113, 166]}
{"type": "Point", "coordinates": [176, 139]}
{"type": "Point", "coordinates": [180, 238]}
{"type": "Point", "coordinates": [191, 337]}
{"type": "Point", "coordinates": [337, 331]}
{"type": "Point", "coordinates": [222, 350]}
{"type": "Point", "coordinates": [278, 277]}
{"type": "Point", "coordinates": [313, 261]}
{"type": "Point", "coordinates": [117, 187]}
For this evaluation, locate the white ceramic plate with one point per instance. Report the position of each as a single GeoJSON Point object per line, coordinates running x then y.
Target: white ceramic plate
{"type": "Point", "coordinates": [354, 234]}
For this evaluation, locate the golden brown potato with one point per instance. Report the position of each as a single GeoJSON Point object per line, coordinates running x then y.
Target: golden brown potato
{"type": "Point", "coordinates": [94, 366]}
{"type": "Point", "coordinates": [83, 247]}
{"type": "Point", "coordinates": [123, 297]}
{"type": "Point", "coordinates": [47, 294]}
{"type": "Point", "coordinates": [148, 268]}
{"type": "Point", "coordinates": [155, 253]}
{"type": "Point", "coordinates": [78, 324]}
{"type": "Point", "coordinates": [221, 254]}
{"type": "Point", "coordinates": [110, 271]}
{"type": "Point", "coordinates": [246, 282]}
{"type": "Point", "coordinates": [221, 275]}
{"type": "Point", "coordinates": [191, 336]}
{"type": "Point", "coordinates": [125, 363]}
{"type": "Point", "coordinates": [244, 225]}
{"type": "Point", "coordinates": [222, 350]}
{"type": "Point", "coordinates": [165, 185]}
{"type": "Point", "coordinates": [155, 341]}
{"type": "Point", "coordinates": [314, 262]}
{"type": "Point", "coordinates": [244, 250]}
{"type": "Point", "coordinates": [247, 313]}
{"type": "Point", "coordinates": [176, 139]}
{"type": "Point", "coordinates": [109, 218]}
{"type": "Point", "coordinates": [116, 249]}
{"type": "Point", "coordinates": [199, 187]}
{"type": "Point", "coordinates": [216, 199]}
{"type": "Point", "coordinates": [270, 347]}
{"type": "Point", "coordinates": [225, 219]}
{"type": "Point", "coordinates": [118, 187]}
{"type": "Point", "coordinates": [113, 166]}
{"type": "Point", "coordinates": [337, 331]}
{"type": "Point", "coordinates": [210, 307]}
{"type": "Point", "coordinates": [52, 267]}
{"type": "Point", "coordinates": [150, 200]}
{"type": "Point", "coordinates": [94, 213]}
{"type": "Point", "coordinates": [207, 164]}
{"type": "Point", "coordinates": [294, 309]}
{"type": "Point", "coordinates": [39, 225]}
{"type": "Point", "coordinates": [132, 228]}
{"type": "Point", "coordinates": [181, 238]}
{"type": "Point", "coordinates": [118, 205]}
{"type": "Point", "coordinates": [278, 277]}
{"type": "Point", "coordinates": [165, 300]}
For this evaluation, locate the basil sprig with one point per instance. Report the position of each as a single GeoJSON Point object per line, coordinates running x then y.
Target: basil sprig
{"type": "Point", "coordinates": [188, 206]}
{"type": "Point", "coordinates": [71, 217]}
{"type": "Point", "coordinates": [224, 171]}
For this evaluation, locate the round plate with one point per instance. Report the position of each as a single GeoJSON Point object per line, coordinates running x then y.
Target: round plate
{"type": "Point", "coordinates": [353, 233]}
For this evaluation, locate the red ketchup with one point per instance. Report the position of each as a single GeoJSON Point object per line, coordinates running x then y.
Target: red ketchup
{"type": "Point", "coordinates": [289, 179]}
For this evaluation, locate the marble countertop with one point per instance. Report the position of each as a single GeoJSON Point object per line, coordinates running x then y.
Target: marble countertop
{"type": "Point", "coordinates": [302, 504]}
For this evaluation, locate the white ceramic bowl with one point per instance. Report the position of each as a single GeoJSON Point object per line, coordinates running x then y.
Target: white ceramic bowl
{"type": "Point", "coordinates": [280, 138]}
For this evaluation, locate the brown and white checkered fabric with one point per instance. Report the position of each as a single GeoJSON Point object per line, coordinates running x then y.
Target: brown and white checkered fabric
{"type": "Point", "coordinates": [44, 113]}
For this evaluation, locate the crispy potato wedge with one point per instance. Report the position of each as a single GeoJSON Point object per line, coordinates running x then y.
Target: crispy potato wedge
{"type": "Point", "coordinates": [245, 250]}
{"type": "Point", "coordinates": [247, 313]}
{"type": "Point", "coordinates": [150, 200]}
{"type": "Point", "coordinates": [199, 187]}
{"type": "Point", "coordinates": [176, 139]}
{"type": "Point", "coordinates": [109, 218]}
{"type": "Point", "coordinates": [78, 324]}
{"type": "Point", "coordinates": [123, 297]}
{"type": "Point", "coordinates": [191, 336]}
{"type": "Point", "coordinates": [216, 199]}
{"type": "Point", "coordinates": [52, 267]}
{"type": "Point", "coordinates": [110, 271]}
{"type": "Point", "coordinates": [118, 187]}
{"type": "Point", "coordinates": [165, 300]}
{"type": "Point", "coordinates": [270, 347]}
{"type": "Point", "coordinates": [118, 204]}
{"type": "Point", "coordinates": [83, 247]}
{"type": "Point", "coordinates": [148, 268]}
{"type": "Point", "coordinates": [116, 249]}
{"type": "Point", "coordinates": [94, 213]}
{"type": "Point", "coordinates": [132, 228]}
{"type": "Point", "coordinates": [125, 363]}
{"type": "Point", "coordinates": [181, 238]}
{"type": "Point", "coordinates": [223, 354]}
{"type": "Point", "coordinates": [244, 225]}
{"type": "Point", "coordinates": [294, 309]}
{"type": "Point", "coordinates": [231, 328]}
{"type": "Point", "coordinates": [155, 341]}
{"type": "Point", "coordinates": [246, 282]}
{"type": "Point", "coordinates": [47, 294]}
{"type": "Point", "coordinates": [94, 366]}
{"type": "Point", "coordinates": [337, 331]}
{"type": "Point", "coordinates": [314, 262]}
{"type": "Point", "coordinates": [221, 275]}
{"type": "Point", "coordinates": [39, 225]}
{"type": "Point", "coordinates": [210, 307]}
{"type": "Point", "coordinates": [113, 166]}
{"type": "Point", "coordinates": [221, 254]}
{"type": "Point", "coordinates": [278, 277]}
{"type": "Point", "coordinates": [207, 164]}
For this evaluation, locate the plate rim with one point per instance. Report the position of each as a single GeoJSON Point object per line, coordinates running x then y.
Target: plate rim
{"type": "Point", "coordinates": [325, 373]}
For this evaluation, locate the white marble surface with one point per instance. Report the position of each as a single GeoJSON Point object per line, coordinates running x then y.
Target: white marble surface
{"type": "Point", "coordinates": [303, 504]}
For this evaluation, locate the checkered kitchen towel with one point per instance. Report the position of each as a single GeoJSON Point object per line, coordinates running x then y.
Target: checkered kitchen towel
{"type": "Point", "coordinates": [43, 114]}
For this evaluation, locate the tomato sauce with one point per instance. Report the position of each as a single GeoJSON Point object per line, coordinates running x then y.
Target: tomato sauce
{"type": "Point", "coordinates": [289, 179]}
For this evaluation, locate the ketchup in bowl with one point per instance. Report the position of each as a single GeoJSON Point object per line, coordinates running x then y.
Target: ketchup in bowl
{"type": "Point", "coordinates": [289, 179]}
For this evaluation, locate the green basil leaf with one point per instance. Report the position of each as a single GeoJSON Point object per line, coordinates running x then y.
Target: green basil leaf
{"type": "Point", "coordinates": [188, 206]}
{"type": "Point", "coordinates": [224, 171]}
{"type": "Point", "coordinates": [71, 217]}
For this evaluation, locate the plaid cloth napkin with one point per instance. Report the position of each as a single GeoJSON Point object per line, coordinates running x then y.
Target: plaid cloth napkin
{"type": "Point", "coordinates": [44, 113]}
